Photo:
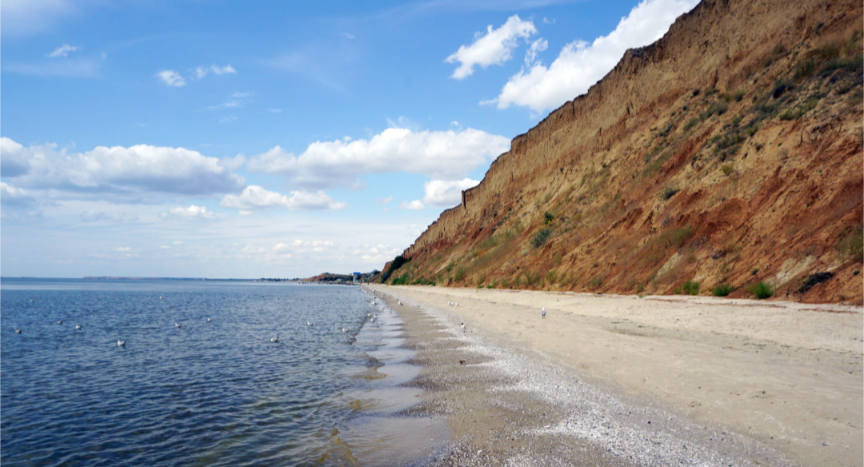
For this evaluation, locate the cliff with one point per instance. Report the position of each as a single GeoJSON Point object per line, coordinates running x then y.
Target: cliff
{"type": "Point", "coordinates": [728, 153]}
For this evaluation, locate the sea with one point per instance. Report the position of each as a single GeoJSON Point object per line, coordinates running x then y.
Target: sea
{"type": "Point", "coordinates": [199, 380]}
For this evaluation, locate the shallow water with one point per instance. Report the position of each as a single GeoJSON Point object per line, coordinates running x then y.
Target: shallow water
{"type": "Point", "coordinates": [217, 393]}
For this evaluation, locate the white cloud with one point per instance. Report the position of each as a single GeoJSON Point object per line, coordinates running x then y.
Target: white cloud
{"type": "Point", "coordinates": [171, 78]}
{"type": "Point", "coordinates": [384, 200]}
{"type": "Point", "coordinates": [62, 51]}
{"type": "Point", "coordinates": [13, 158]}
{"type": "Point", "coordinates": [348, 35]}
{"type": "Point", "coordinates": [256, 197]}
{"type": "Point", "coordinates": [537, 47]}
{"type": "Point", "coordinates": [444, 193]}
{"type": "Point", "coordinates": [415, 205]}
{"type": "Point", "coordinates": [223, 70]}
{"type": "Point", "coordinates": [11, 196]}
{"type": "Point", "coordinates": [494, 48]}
{"type": "Point", "coordinates": [437, 154]}
{"type": "Point", "coordinates": [228, 119]}
{"type": "Point", "coordinates": [189, 213]}
{"type": "Point", "coordinates": [580, 64]}
{"type": "Point", "coordinates": [122, 249]}
{"type": "Point", "coordinates": [127, 172]}
{"type": "Point", "coordinates": [202, 71]}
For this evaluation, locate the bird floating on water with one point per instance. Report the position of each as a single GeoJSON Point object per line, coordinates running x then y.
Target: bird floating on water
{"type": "Point", "coordinates": [344, 330]}
{"type": "Point", "coordinates": [121, 343]}
{"type": "Point", "coordinates": [176, 325]}
{"type": "Point", "coordinates": [17, 331]}
{"type": "Point", "coordinates": [60, 322]}
{"type": "Point", "coordinates": [78, 326]}
{"type": "Point", "coordinates": [543, 313]}
{"type": "Point", "coordinates": [308, 323]}
{"type": "Point", "coordinates": [274, 339]}
{"type": "Point", "coordinates": [208, 320]}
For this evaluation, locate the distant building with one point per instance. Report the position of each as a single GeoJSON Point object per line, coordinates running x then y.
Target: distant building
{"type": "Point", "coordinates": [358, 277]}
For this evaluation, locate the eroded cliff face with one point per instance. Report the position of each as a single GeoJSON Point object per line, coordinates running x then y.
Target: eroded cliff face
{"type": "Point", "coordinates": [727, 153]}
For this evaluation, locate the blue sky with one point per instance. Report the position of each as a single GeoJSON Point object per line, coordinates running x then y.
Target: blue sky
{"type": "Point", "coordinates": [272, 139]}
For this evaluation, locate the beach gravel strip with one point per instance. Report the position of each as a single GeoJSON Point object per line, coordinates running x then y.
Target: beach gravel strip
{"type": "Point", "coordinates": [509, 406]}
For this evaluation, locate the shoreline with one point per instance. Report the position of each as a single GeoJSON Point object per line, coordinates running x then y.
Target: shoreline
{"type": "Point", "coordinates": [737, 383]}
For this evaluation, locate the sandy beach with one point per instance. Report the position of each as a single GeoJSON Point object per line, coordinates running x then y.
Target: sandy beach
{"type": "Point", "coordinates": [623, 380]}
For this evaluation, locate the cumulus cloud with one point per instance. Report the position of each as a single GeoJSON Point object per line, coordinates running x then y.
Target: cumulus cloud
{"type": "Point", "coordinates": [256, 197]}
{"type": "Point", "coordinates": [191, 212]}
{"type": "Point", "coordinates": [442, 155]}
{"type": "Point", "coordinates": [580, 64]}
{"type": "Point", "coordinates": [128, 172]}
{"type": "Point", "coordinates": [11, 196]}
{"type": "Point", "coordinates": [62, 51]}
{"type": "Point", "coordinates": [446, 193]}
{"type": "Point", "coordinates": [13, 158]}
{"type": "Point", "coordinates": [415, 205]}
{"type": "Point", "coordinates": [493, 48]}
{"type": "Point", "coordinates": [171, 78]}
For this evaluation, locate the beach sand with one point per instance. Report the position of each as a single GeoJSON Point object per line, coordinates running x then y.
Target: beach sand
{"type": "Point", "coordinates": [623, 380]}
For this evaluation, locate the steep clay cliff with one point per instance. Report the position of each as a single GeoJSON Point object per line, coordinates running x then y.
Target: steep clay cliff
{"type": "Point", "coordinates": [729, 152]}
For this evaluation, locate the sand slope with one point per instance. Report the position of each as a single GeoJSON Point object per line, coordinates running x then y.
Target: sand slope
{"type": "Point", "coordinates": [784, 374]}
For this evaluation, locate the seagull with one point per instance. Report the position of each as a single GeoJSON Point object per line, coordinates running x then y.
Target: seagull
{"type": "Point", "coordinates": [121, 343]}
{"type": "Point", "coordinates": [344, 330]}
{"type": "Point", "coordinates": [78, 326]}
{"type": "Point", "coordinates": [463, 327]}
{"type": "Point", "coordinates": [308, 323]}
{"type": "Point", "coordinates": [160, 297]}
{"type": "Point", "coordinates": [543, 313]}
{"type": "Point", "coordinates": [399, 302]}
{"type": "Point", "coordinates": [176, 325]}
{"type": "Point", "coordinates": [274, 339]}
{"type": "Point", "coordinates": [60, 322]}
{"type": "Point", "coordinates": [208, 320]}
{"type": "Point", "coordinates": [17, 331]}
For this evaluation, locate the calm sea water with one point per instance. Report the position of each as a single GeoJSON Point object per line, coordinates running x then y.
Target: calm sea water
{"type": "Point", "coordinates": [206, 393]}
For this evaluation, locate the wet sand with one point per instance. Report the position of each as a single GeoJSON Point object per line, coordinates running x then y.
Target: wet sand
{"type": "Point", "coordinates": [722, 382]}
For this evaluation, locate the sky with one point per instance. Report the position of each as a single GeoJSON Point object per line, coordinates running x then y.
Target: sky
{"type": "Point", "coordinates": [208, 138]}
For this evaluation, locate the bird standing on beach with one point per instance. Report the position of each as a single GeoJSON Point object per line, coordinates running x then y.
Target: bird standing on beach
{"type": "Point", "coordinates": [463, 327]}
{"type": "Point", "coordinates": [543, 313]}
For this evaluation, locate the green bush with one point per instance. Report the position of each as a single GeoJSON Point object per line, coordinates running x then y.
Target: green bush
{"type": "Point", "coordinates": [396, 264]}
{"type": "Point", "coordinates": [541, 237]}
{"type": "Point", "coordinates": [722, 290]}
{"type": "Point", "coordinates": [595, 282]}
{"type": "Point", "coordinates": [548, 217]}
{"type": "Point", "coordinates": [403, 280]}
{"type": "Point", "coordinates": [761, 290]}
{"type": "Point", "coordinates": [690, 288]}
